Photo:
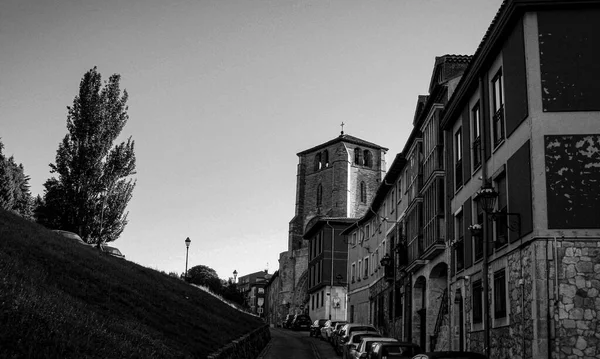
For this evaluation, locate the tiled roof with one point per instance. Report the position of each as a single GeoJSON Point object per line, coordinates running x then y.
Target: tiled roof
{"type": "Point", "coordinates": [343, 138]}
{"type": "Point", "coordinates": [317, 222]}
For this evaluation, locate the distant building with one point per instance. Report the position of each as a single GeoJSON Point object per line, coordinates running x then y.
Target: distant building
{"type": "Point", "coordinates": [335, 179]}
{"type": "Point", "coordinates": [252, 286]}
{"type": "Point", "coordinates": [327, 275]}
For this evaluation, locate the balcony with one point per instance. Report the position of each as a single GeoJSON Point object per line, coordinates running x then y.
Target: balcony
{"type": "Point", "coordinates": [433, 162]}
{"type": "Point", "coordinates": [415, 251]}
{"type": "Point", "coordinates": [415, 188]}
{"type": "Point", "coordinates": [433, 240]}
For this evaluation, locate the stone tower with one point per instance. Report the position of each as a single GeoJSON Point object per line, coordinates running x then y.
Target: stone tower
{"type": "Point", "coordinates": [336, 179]}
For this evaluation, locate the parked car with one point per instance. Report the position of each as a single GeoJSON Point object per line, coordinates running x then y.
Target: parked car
{"type": "Point", "coordinates": [347, 331]}
{"type": "Point", "coordinates": [450, 355]}
{"type": "Point", "coordinates": [315, 328]}
{"type": "Point", "coordinates": [394, 350]}
{"type": "Point", "coordinates": [287, 321]}
{"type": "Point", "coordinates": [71, 235]}
{"type": "Point", "coordinates": [301, 322]}
{"type": "Point", "coordinates": [353, 342]}
{"type": "Point", "coordinates": [335, 334]}
{"type": "Point", "coordinates": [111, 251]}
{"type": "Point", "coordinates": [327, 330]}
{"type": "Point", "coordinates": [365, 347]}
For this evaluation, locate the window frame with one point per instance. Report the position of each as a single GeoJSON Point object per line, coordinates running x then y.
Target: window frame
{"type": "Point", "coordinates": [497, 93]}
{"type": "Point", "coordinates": [477, 302]}
{"type": "Point", "coordinates": [476, 136]}
{"type": "Point", "coordinates": [458, 156]}
{"type": "Point", "coordinates": [499, 296]}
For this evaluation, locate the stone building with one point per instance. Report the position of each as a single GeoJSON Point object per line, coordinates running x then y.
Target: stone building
{"type": "Point", "coordinates": [334, 179]}
{"type": "Point", "coordinates": [522, 144]}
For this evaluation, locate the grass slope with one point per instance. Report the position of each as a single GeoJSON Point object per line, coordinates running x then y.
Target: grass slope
{"type": "Point", "coordinates": [61, 299]}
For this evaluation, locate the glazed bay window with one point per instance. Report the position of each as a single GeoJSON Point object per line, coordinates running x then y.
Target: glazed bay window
{"type": "Point", "coordinates": [498, 108]}
{"type": "Point", "coordinates": [500, 294]}
{"type": "Point", "coordinates": [458, 158]}
{"type": "Point", "coordinates": [477, 298]}
{"type": "Point", "coordinates": [476, 136]}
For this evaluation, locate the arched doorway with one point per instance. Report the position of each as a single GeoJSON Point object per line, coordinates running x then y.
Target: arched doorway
{"type": "Point", "coordinates": [437, 318]}
{"type": "Point", "coordinates": [419, 329]}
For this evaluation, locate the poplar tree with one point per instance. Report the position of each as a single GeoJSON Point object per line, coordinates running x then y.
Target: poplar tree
{"type": "Point", "coordinates": [92, 184]}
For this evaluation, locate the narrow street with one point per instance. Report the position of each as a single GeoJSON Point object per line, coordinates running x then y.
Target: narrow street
{"type": "Point", "coordinates": [289, 344]}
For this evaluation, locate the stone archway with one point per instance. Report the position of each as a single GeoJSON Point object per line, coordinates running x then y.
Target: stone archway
{"type": "Point", "coordinates": [419, 322]}
{"type": "Point", "coordinates": [300, 300]}
{"type": "Point", "coordinates": [437, 302]}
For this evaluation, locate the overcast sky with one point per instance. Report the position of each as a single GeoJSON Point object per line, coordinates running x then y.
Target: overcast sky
{"type": "Point", "coordinates": [222, 95]}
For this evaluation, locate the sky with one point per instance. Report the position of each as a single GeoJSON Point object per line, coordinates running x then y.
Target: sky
{"type": "Point", "coordinates": [222, 96]}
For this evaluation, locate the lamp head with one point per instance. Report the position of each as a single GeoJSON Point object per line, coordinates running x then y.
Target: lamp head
{"type": "Point", "coordinates": [486, 198]}
{"type": "Point", "coordinates": [187, 242]}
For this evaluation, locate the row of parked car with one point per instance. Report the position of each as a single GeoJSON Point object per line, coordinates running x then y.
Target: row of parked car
{"type": "Point", "coordinates": [296, 322]}
{"type": "Point", "coordinates": [364, 341]}
{"type": "Point", "coordinates": [109, 250]}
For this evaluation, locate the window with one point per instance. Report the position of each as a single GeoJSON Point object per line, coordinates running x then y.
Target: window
{"type": "Point", "coordinates": [476, 136]}
{"type": "Point", "coordinates": [458, 158]}
{"type": "Point", "coordinates": [393, 201]}
{"type": "Point", "coordinates": [498, 108]}
{"type": "Point", "coordinates": [363, 192]}
{"type": "Point", "coordinates": [501, 237]}
{"type": "Point", "coordinates": [326, 158]}
{"type": "Point", "coordinates": [317, 161]}
{"type": "Point", "coordinates": [357, 156]}
{"type": "Point", "coordinates": [477, 298]}
{"type": "Point", "coordinates": [319, 195]}
{"type": "Point", "coordinates": [459, 244]}
{"type": "Point", "coordinates": [366, 269]}
{"type": "Point", "coordinates": [312, 300]}
{"type": "Point", "coordinates": [359, 270]}
{"type": "Point", "coordinates": [367, 158]}
{"type": "Point", "coordinates": [354, 238]}
{"type": "Point", "coordinates": [353, 272]}
{"type": "Point", "coordinates": [322, 297]}
{"type": "Point", "coordinates": [317, 300]}
{"type": "Point", "coordinates": [367, 232]}
{"type": "Point", "coordinates": [500, 294]}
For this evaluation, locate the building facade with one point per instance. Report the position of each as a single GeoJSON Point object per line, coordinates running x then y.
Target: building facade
{"type": "Point", "coordinates": [523, 166]}
{"type": "Point", "coordinates": [327, 263]}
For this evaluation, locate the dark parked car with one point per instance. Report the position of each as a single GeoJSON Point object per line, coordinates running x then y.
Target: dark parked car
{"type": "Point", "coordinates": [301, 322]}
{"type": "Point", "coordinates": [450, 355]}
{"type": "Point", "coordinates": [315, 327]}
{"type": "Point", "coordinates": [112, 251]}
{"type": "Point", "coordinates": [394, 350]}
{"type": "Point", "coordinates": [287, 321]}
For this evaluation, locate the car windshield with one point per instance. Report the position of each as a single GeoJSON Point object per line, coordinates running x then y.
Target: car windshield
{"type": "Point", "coordinates": [113, 250]}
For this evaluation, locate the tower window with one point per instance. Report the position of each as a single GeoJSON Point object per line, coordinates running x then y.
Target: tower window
{"type": "Point", "coordinates": [326, 158]}
{"type": "Point", "coordinates": [357, 156]}
{"type": "Point", "coordinates": [363, 192]}
{"type": "Point", "coordinates": [319, 195]}
{"type": "Point", "coordinates": [367, 158]}
{"type": "Point", "coordinates": [317, 161]}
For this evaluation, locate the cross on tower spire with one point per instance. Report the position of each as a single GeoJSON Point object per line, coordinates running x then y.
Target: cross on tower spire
{"type": "Point", "coordinates": [342, 127]}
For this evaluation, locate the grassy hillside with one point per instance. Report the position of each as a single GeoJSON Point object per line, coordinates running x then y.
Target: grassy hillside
{"type": "Point", "coordinates": [62, 299]}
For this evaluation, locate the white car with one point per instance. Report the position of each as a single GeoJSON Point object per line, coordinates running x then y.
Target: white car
{"type": "Point", "coordinates": [366, 344]}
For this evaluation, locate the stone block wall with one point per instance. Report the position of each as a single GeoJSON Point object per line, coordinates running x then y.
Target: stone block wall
{"type": "Point", "coordinates": [578, 317]}
{"type": "Point", "coordinates": [248, 346]}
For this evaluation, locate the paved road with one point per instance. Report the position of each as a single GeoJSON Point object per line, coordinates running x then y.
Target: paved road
{"type": "Point", "coordinates": [288, 344]}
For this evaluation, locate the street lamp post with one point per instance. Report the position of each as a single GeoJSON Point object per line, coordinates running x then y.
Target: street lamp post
{"type": "Point", "coordinates": [187, 251]}
{"type": "Point", "coordinates": [234, 275]}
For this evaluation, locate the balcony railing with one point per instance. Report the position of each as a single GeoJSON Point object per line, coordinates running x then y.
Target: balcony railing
{"type": "Point", "coordinates": [415, 187]}
{"type": "Point", "coordinates": [415, 249]}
